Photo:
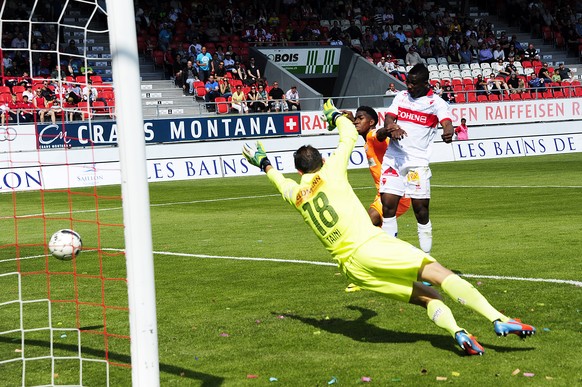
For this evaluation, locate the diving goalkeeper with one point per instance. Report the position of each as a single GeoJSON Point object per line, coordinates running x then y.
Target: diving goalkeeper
{"type": "Point", "coordinates": [365, 254]}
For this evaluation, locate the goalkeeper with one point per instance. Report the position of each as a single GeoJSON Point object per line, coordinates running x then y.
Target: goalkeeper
{"type": "Point", "coordinates": [365, 254]}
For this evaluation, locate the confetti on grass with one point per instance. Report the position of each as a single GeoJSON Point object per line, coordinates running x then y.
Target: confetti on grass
{"type": "Point", "coordinates": [273, 379]}
{"type": "Point", "coordinates": [529, 374]}
{"type": "Point", "coordinates": [515, 372]}
{"type": "Point", "coordinates": [224, 334]}
{"type": "Point", "coordinates": [333, 380]}
{"type": "Point", "coordinates": [366, 379]}
{"type": "Point", "coordinates": [252, 376]}
{"type": "Point", "coordinates": [441, 378]}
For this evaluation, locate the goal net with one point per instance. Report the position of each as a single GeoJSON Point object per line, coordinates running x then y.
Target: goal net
{"type": "Point", "coordinates": [84, 321]}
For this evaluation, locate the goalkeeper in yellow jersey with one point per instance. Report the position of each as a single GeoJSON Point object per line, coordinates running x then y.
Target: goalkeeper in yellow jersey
{"type": "Point", "coordinates": [365, 254]}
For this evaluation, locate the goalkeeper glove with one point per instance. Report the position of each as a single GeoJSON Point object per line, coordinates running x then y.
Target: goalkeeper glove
{"type": "Point", "coordinates": [256, 155]}
{"type": "Point", "coordinates": [331, 114]}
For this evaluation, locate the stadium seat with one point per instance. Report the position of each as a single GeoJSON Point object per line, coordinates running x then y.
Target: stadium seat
{"type": "Point", "coordinates": [515, 97]}
{"type": "Point", "coordinates": [559, 94]}
{"type": "Point", "coordinates": [482, 98]}
{"type": "Point", "coordinates": [221, 105]}
{"type": "Point", "coordinates": [461, 98]}
{"type": "Point", "coordinates": [472, 97]}
{"type": "Point", "coordinates": [200, 92]}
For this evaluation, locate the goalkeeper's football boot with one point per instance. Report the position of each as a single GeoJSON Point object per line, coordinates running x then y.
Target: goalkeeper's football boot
{"type": "Point", "coordinates": [353, 288]}
{"type": "Point", "coordinates": [331, 113]}
{"type": "Point", "coordinates": [514, 326]}
{"type": "Point", "coordinates": [468, 343]}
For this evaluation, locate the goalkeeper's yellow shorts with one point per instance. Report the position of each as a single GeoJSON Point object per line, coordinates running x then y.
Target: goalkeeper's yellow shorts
{"type": "Point", "coordinates": [386, 265]}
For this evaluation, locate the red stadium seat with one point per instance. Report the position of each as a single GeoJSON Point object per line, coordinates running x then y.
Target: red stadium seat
{"type": "Point", "coordinates": [221, 105]}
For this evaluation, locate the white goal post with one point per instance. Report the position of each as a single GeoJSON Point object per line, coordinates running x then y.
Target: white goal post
{"type": "Point", "coordinates": [134, 182]}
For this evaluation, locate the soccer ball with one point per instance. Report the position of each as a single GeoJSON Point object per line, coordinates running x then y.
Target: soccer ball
{"type": "Point", "coordinates": [64, 244]}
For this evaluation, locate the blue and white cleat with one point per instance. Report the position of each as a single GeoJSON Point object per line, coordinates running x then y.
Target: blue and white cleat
{"type": "Point", "coordinates": [468, 343]}
{"type": "Point", "coordinates": [514, 326]}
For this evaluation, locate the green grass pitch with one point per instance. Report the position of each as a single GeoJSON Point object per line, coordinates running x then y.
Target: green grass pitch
{"type": "Point", "coordinates": [225, 321]}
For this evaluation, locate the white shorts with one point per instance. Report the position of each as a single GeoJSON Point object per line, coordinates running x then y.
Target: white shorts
{"type": "Point", "coordinates": [414, 182]}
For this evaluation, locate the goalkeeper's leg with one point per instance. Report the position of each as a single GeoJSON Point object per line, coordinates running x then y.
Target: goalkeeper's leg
{"type": "Point", "coordinates": [460, 290]}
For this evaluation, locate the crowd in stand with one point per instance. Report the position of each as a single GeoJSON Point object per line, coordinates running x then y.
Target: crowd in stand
{"type": "Point", "coordinates": [394, 35]}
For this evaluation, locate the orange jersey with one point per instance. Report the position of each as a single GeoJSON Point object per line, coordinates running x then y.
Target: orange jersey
{"type": "Point", "coordinates": [375, 150]}
{"type": "Point", "coordinates": [375, 153]}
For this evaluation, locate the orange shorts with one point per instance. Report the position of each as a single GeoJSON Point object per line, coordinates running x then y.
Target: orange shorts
{"type": "Point", "coordinates": [403, 205]}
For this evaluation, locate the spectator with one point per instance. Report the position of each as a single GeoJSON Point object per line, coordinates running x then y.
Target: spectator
{"type": "Point", "coordinates": [75, 93]}
{"type": "Point", "coordinates": [189, 76]}
{"type": "Point", "coordinates": [229, 61]}
{"type": "Point", "coordinates": [391, 90]}
{"type": "Point", "coordinates": [466, 54]}
{"type": "Point", "coordinates": [461, 131]}
{"type": "Point", "coordinates": [454, 56]}
{"type": "Point", "coordinates": [544, 73]}
{"type": "Point", "coordinates": [277, 99]}
{"type": "Point", "coordinates": [481, 85]}
{"type": "Point", "coordinates": [13, 109]}
{"type": "Point", "coordinates": [238, 102]}
{"type": "Point", "coordinates": [28, 92]}
{"type": "Point", "coordinates": [257, 99]}
{"type": "Point", "coordinates": [498, 84]}
{"type": "Point", "coordinates": [253, 73]}
{"type": "Point", "coordinates": [498, 53]}
{"type": "Point", "coordinates": [40, 104]}
{"type": "Point", "coordinates": [485, 55]}
{"type": "Point", "coordinates": [531, 53]}
{"type": "Point", "coordinates": [565, 72]}
{"type": "Point", "coordinates": [72, 48]}
{"type": "Point", "coordinates": [224, 86]}
{"type": "Point", "coordinates": [204, 63]}
{"type": "Point", "coordinates": [212, 91]}
{"type": "Point", "coordinates": [511, 67]}
{"type": "Point", "coordinates": [425, 49]}
{"type": "Point", "coordinates": [220, 71]}
{"type": "Point", "coordinates": [19, 41]}
{"type": "Point", "coordinates": [90, 93]}
{"type": "Point", "coordinates": [437, 89]}
{"type": "Point", "coordinates": [71, 109]}
{"type": "Point", "coordinates": [292, 98]}
{"type": "Point", "coordinates": [239, 72]}
{"type": "Point", "coordinates": [536, 84]}
{"type": "Point", "coordinates": [449, 94]}
{"type": "Point", "coordinates": [54, 108]}
{"type": "Point", "coordinates": [556, 76]}
{"type": "Point", "coordinates": [382, 64]}
{"type": "Point", "coordinates": [25, 110]}
{"type": "Point", "coordinates": [412, 58]}
{"type": "Point", "coordinates": [165, 37]}
{"type": "Point", "coordinates": [515, 84]}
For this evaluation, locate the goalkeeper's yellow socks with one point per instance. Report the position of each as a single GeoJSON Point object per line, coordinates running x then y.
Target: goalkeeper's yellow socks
{"type": "Point", "coordinates": [442, 316]}
{"type": "Point", "coordinates": [464, 293]}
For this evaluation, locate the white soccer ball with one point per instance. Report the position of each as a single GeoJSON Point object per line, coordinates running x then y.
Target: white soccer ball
{"type": "Point", "coordinates": [64, 244]}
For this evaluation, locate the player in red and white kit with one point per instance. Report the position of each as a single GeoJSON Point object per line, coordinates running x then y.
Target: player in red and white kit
{"type": "Point", "coordinates": [411, 122]}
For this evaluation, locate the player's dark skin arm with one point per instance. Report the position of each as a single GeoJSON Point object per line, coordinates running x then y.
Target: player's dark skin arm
{"type": "Point", "coordinates": [392, 130]}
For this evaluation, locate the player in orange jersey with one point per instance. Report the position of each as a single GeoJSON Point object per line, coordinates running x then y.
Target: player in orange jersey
{"type": "Point", "coordinates": [377, 140]}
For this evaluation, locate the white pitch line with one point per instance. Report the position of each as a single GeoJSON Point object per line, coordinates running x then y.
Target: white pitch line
{"type": "Point", "coordinates": [549, 280]}
{"type": "Point", "coordinates": [252, 197]}
{"type": "Point", "coordinates": [332, 264]}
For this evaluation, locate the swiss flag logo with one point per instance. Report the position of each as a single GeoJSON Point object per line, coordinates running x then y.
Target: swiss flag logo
{"type": "Point", "coordinates": [291, 124]}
